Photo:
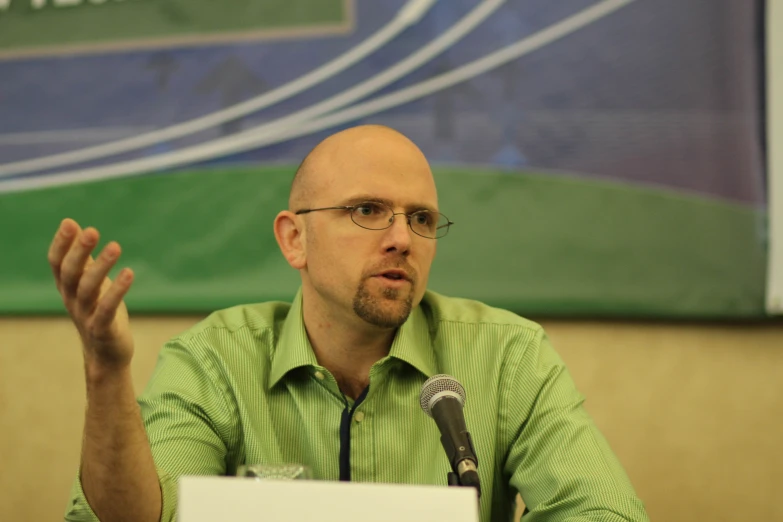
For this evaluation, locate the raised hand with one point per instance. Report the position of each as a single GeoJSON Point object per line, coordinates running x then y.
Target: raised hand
{"type": "Point", "coordinates": [94, 302]}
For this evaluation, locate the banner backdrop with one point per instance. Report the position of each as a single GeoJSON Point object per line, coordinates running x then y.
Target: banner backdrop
{"type": "Point", "coordinates": [599, 158]}
{"type": "Point", "coordinates": [41, 27]}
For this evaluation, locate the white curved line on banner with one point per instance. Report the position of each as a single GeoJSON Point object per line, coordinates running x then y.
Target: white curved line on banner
{"type": "Point", "coordinates": [408, 15]}
{"type": "Point", "coordinates": [442, 42]}
{"type": "Point", "coordinates": [252, 140]}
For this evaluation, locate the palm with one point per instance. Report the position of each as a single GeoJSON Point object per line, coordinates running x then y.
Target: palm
{"type": "Point", "coordinates": [110, 343]}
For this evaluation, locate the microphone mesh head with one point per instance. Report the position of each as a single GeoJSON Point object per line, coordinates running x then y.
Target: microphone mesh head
{"type": "Point", "coordinates": [438, 384]}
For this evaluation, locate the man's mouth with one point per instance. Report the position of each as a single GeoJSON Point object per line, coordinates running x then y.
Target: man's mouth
{"type": "Point", "coordinates": [394, 275]}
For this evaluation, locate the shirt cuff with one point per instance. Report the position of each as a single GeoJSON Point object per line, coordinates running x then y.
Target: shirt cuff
{"type": "Point", "coordinates": [79, 509]}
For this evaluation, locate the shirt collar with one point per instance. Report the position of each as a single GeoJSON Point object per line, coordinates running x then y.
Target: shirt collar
{"type": "Point", "coordinates": [412, 344]}
{"type": "Point", "coordinates": [293, 348]}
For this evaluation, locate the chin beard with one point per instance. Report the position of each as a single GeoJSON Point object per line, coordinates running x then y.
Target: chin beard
{"type": "Point", "coordinates": [388, 310]}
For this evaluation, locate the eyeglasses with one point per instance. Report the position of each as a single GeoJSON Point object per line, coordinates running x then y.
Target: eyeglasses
{"type": "Point", "coordinates": [378, 216]}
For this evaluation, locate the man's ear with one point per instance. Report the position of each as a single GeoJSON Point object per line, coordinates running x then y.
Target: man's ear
{"type": "Point", "coordinates": [291, 239]}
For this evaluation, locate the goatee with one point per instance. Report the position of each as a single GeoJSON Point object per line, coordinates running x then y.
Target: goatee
{"type": "Point", "coordinates": [386, 311]}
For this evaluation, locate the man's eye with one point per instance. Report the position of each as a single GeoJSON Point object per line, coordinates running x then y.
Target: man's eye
{"type": "Point", "coordinates": [423, 218]}
{"type": "Point", "coordinates": [367, 209]}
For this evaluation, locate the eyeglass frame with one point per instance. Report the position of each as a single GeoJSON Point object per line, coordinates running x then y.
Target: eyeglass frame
{"type": "Point", "coordinates": [391, 220]}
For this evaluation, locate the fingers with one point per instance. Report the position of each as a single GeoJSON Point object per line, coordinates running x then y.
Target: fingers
{"type": "Point", "coordinates": [75, 260]}
{"type": "Point", "coordinates": [61, 243]}
{"type": "Point", "coordinates": [78, 276]}
{"type": "Point", "coordinates": [95, 276]}
{"type": "Point", "coordinates": [109, 302]}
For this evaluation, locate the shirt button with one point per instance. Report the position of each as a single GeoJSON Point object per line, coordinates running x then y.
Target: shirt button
{"type": "Point", "coordinates": [359, 417]}
{"type": "Point", "coordinates": [319, 375]}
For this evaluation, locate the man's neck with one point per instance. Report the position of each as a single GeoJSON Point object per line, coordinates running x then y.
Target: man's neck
{"type": "Point", "coordinates": [347, 350]}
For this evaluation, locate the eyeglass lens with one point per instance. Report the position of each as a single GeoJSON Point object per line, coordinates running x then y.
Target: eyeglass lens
{"type": "Point", "coordinates": [376, 216]}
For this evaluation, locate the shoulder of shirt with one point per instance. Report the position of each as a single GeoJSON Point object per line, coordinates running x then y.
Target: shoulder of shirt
{"type": "Point", "coordinates": [255, 317]}
{"type": "Point", "coordinates": [471, 312]}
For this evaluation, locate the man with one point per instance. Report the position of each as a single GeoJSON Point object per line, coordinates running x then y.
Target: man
{"type": "Point", "coordinates": [332, 380]}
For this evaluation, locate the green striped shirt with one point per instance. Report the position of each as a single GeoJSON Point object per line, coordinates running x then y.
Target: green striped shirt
{"type": "Point", "coordinates": [244, 386]}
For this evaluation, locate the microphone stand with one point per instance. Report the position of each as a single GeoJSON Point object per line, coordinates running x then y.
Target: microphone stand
{"type": "Point", "coordinates": [453, 479]}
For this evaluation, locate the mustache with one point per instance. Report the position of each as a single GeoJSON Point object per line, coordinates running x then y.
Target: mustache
{"type": "Point", "coordinates": [398, 264]}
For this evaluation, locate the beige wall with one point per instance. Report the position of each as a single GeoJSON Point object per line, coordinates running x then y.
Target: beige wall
{"type": "Point", "coordinates": [695, 412]}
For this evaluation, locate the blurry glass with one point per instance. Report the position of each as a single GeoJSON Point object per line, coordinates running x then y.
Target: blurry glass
{"type": "Point", "coordinates": [275, 471]}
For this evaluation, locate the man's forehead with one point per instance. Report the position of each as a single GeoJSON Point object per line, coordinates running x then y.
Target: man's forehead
{"type": "Point", "coordinates": [409, 185]}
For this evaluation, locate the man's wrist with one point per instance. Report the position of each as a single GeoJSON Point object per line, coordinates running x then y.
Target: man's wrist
{"type": "Point", "coordinates": [101, 375]}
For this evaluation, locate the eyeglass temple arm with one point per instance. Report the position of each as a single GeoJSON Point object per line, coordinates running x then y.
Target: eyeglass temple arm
{"type": "Point", "coordinates": [307, 210]}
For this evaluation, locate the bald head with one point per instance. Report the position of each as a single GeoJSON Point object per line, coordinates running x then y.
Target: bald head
{"type": "Point", "coordinates": [356, 151]}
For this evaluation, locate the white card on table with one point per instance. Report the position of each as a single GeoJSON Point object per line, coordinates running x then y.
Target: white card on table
{"type": "Point", "coordinates": [240, 499]}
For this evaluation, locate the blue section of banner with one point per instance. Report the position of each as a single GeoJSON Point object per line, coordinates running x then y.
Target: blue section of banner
{"type": "Point", "coordinates": [663, 92]}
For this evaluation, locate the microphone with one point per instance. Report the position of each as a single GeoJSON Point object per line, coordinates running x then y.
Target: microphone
{"type": "Point", "coordinates": [442, 398]}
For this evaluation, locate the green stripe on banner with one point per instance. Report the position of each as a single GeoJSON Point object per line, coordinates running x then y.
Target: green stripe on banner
{"type": "Point", "coordinates": [46, 25]}
{"type": "Point", "coordinates": [535, 244]}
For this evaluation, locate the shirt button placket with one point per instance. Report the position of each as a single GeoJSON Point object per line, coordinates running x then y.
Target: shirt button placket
{"type": "Point", "coordinates": [362, 458]}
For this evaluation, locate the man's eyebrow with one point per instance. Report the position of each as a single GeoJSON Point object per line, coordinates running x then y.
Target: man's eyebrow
{"type": "Point", "coordinates": [362, 198]}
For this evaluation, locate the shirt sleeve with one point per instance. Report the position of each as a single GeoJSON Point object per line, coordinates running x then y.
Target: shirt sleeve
{"type": "Point", "coordinates": [191, 426]}
{"type": "Point", "coordinates": [558, 460]}
{"type": "Point", "coordinates": [79, 509]}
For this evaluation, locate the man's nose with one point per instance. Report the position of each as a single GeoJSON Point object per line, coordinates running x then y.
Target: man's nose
{"type": "Point", "coordinates": [399, 234]}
